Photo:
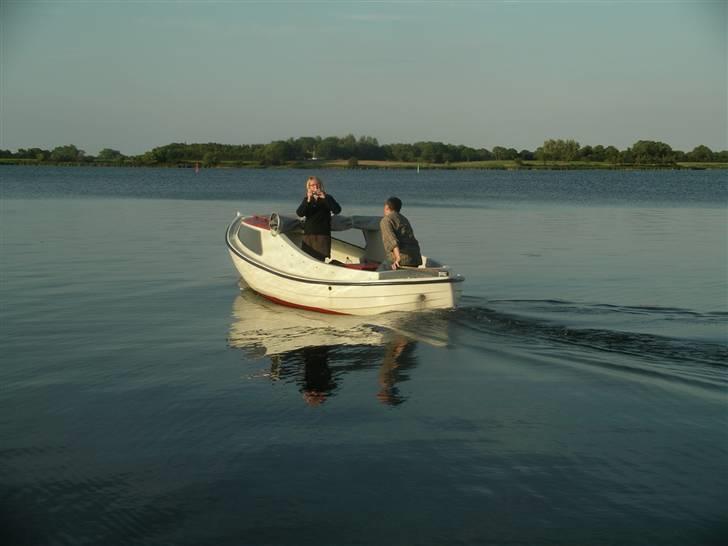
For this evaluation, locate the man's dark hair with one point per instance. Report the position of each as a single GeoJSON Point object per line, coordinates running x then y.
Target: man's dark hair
{"type": "Point", "coordinates": [394, 203]}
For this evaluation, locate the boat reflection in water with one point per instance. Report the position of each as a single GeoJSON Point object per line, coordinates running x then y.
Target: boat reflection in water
{"type": "Point", "coordinates": [317, 350]}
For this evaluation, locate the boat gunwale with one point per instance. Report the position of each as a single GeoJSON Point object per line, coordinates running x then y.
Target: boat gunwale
{"type": "Point", "coordinates": [411, 281]}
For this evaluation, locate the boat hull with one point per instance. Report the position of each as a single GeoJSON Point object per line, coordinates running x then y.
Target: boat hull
{"type": "Point", "coordinates": [348, 299]}
{"type": "Point", "coordinates": [334, 289]}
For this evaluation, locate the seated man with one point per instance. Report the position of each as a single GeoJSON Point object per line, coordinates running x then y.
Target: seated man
{"type": "Point", "coordinates": [398, 236]}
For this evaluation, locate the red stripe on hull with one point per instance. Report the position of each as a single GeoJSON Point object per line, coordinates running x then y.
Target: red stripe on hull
{"type": "Point", "coordinates": [297, 306]}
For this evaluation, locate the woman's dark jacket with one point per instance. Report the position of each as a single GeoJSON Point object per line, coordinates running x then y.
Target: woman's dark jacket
{"type": "Point", "coordinates": [318, 215]}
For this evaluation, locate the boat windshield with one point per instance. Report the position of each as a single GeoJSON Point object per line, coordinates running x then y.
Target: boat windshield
{"type": "Point", "coordinates": [280, 223]}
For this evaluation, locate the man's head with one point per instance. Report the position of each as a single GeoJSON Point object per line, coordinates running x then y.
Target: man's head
{"type": "Point", "coordinates": [393, 204]}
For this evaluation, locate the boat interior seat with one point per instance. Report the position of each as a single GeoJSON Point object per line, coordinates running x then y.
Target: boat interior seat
{"type": "Point", "coordinates": [296, 238]}
{"type": "Point", "coordinates": [364, 266]}
{"type": "Point", "coordinates": [374, 249]}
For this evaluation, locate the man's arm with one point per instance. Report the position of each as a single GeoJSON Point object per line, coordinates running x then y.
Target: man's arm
{"type": "Point", "coordinates": [396, 257]}
{"type": "Point", "coordinates": [389, 239]}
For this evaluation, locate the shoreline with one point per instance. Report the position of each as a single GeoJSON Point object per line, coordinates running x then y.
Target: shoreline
{"type": "Point", "coordinates": [499, 165]}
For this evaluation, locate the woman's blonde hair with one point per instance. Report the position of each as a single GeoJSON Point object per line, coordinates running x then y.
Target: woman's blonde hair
{"type": "Point", "coordinates": [314, 179]}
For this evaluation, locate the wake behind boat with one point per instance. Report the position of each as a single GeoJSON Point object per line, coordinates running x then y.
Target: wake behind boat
{"type": "Point", "coordinates": [266, 251]}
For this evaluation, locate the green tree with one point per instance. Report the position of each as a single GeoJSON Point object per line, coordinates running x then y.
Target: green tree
{"type": "Point", "coordinates": [328, 148]}
{"type": "Point", "coordinates": [108, 154]}
{"type": "Point", "coordinates": [560, 150]}
{"type": "Point", "coordinates": [499, 152]}
{"type": "Point", "coordinates": [305, 147]}
{"type": "Point", "coordinates": [161, 154]}
{"type": "Point", "coordinates": [525, 155]}
{"type": "Point", "coordinates": [368, 148]}
{"type": "Point", "coordinates": [439, 152]}
{"type": "Point", "coordinates": [347, 146]}
{"type": "Point", "coordinates": [426, 151]}
{"type": "Point", "coordinates": [651, 151]}
{"type": "Point", "coordinates": [597, 153]}
{"type": "Point", "coordinates": [586, 153]}
{"type": "Point", "coordinates": [210, 159]}
{"type": "Point", "coordinates": [611, 154]}
{"type": "Point", "coordinates": [700, 153]}
{"type": "Point", "coordinates": [277, 152]}
{"type": "Point", "coordinates": [33, 153]}
{"type": "Point", "coordinates": [401, 152]}
{"type": "Point", "coordinates": [67, 153]}
{"type": "Point", "coordinates": [147, 158]}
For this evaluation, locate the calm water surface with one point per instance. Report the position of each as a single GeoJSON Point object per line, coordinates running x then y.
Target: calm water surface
{"type": "Point", "coordinates": [577, 396]}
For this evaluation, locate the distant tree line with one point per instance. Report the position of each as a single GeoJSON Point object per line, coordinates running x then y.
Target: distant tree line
{"type": "Point", "coordinates": [352, 149]}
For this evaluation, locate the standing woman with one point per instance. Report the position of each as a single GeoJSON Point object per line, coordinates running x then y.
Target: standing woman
{"type": "Point", "coordinates": [317, 207]}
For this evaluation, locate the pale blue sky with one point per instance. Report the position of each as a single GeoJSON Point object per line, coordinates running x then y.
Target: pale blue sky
{"type": "Point", "coordinates": [132, 75]}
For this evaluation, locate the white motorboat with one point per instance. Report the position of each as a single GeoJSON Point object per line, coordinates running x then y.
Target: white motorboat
{"type": "Point", "coordinates": [266, 251]}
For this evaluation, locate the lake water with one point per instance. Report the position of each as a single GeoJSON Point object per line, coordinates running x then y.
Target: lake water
{"type": "Point", "coordinates": [577, 396]}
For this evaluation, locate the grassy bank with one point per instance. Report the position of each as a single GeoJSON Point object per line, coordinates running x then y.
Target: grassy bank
{"type": "Point", "coordinates": [526, 165]}
{"type": "Point", "coordinates": [506, 165]}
